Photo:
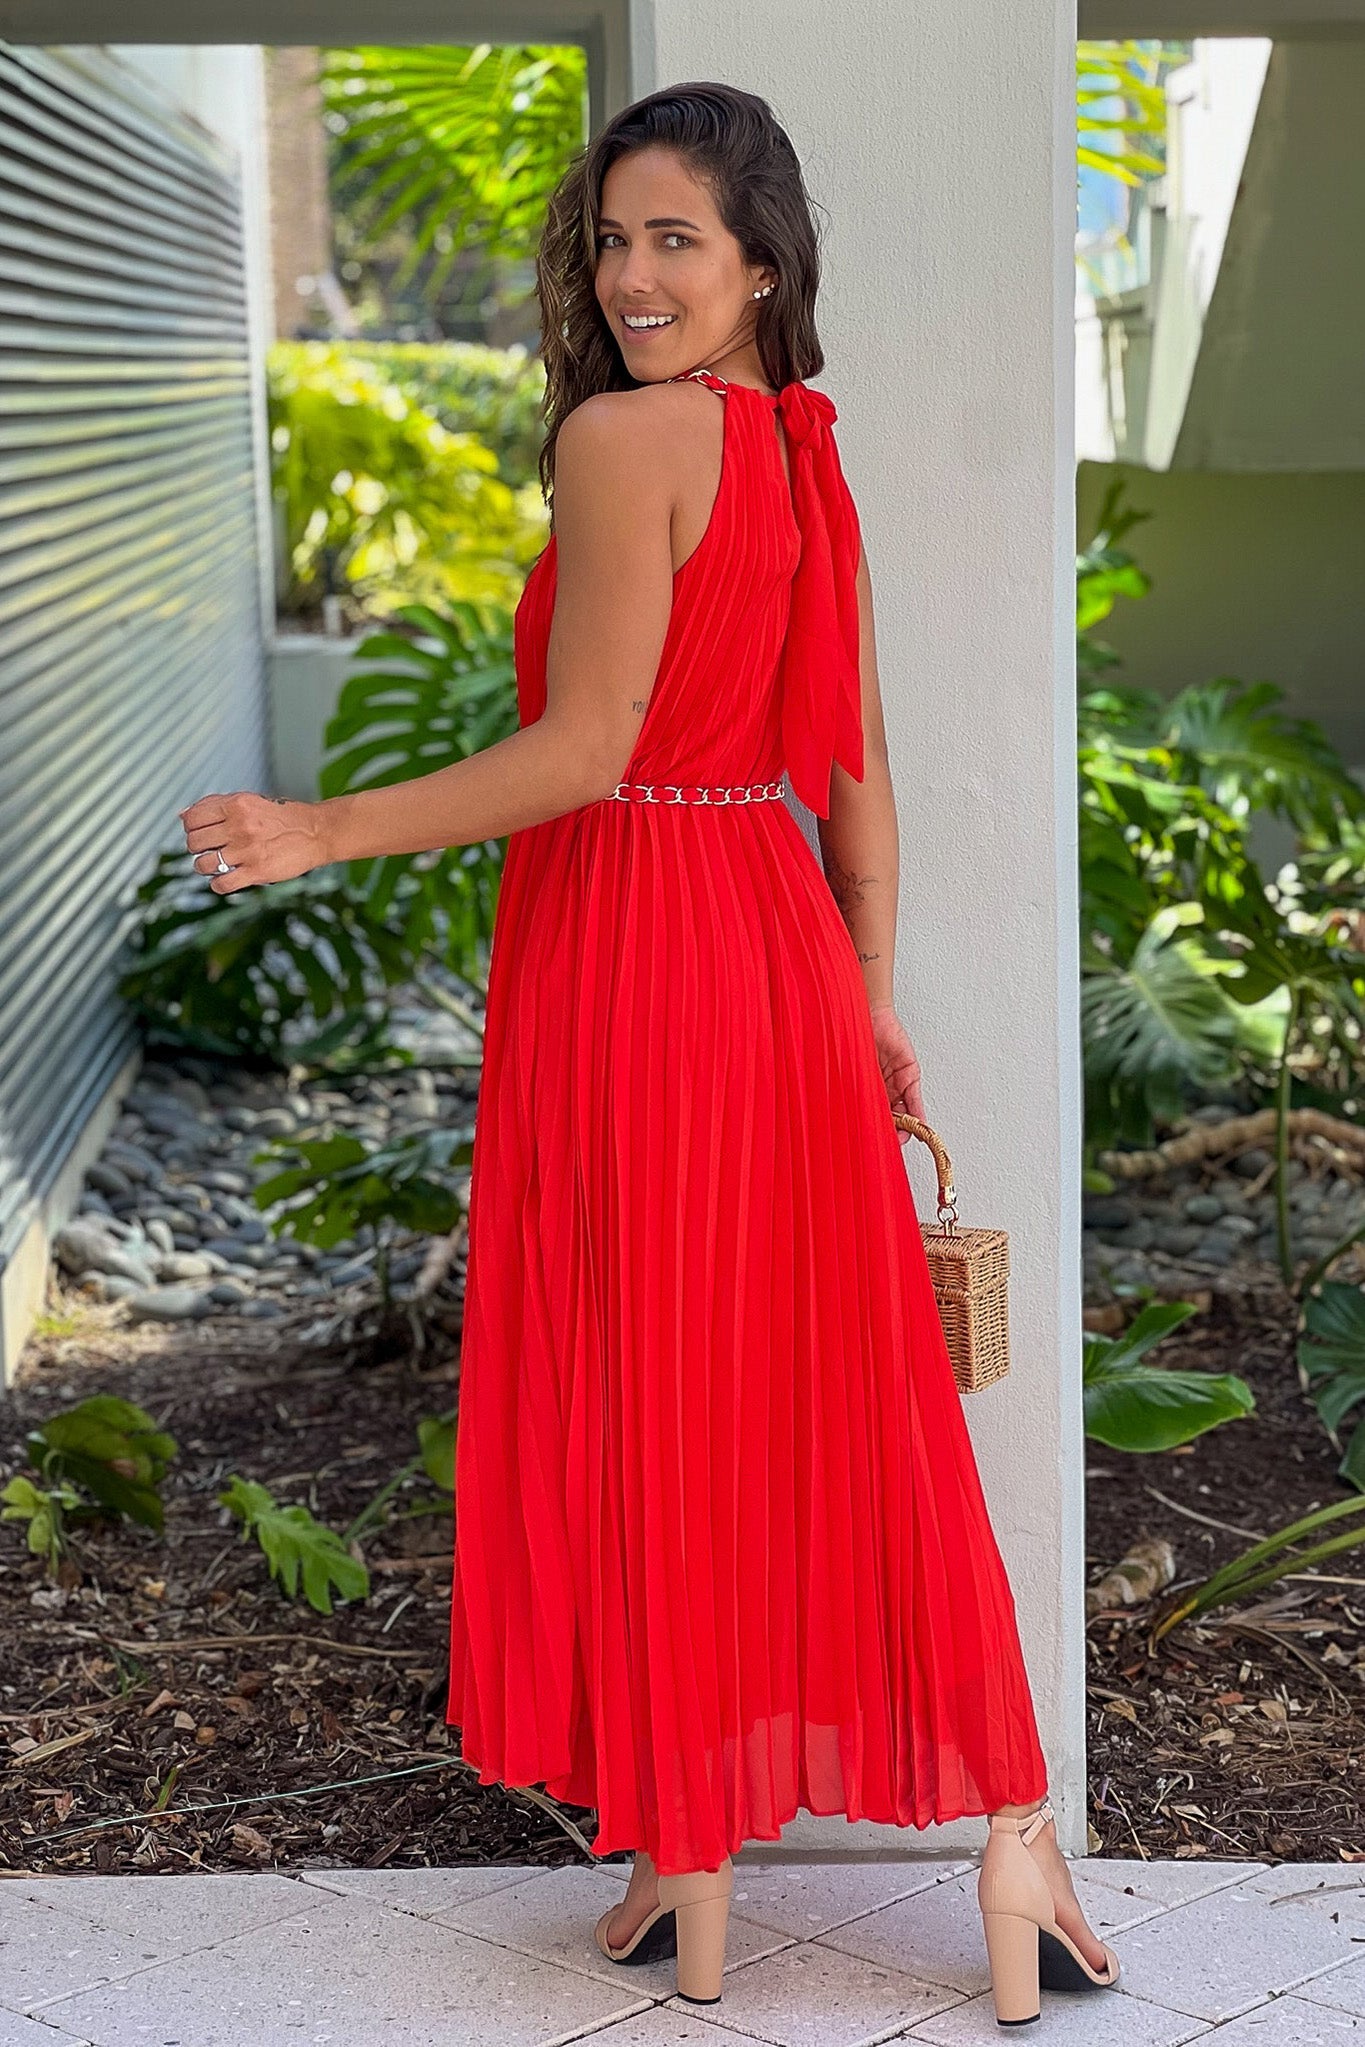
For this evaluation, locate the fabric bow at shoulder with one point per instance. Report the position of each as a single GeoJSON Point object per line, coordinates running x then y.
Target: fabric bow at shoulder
{"type": "Point", "coordinates": [821, 688]}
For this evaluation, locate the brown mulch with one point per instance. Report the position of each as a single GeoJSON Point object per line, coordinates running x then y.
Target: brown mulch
{"type": "Point", "coordinates": [1241, 1735]}
{"type": "Point", "coordinates": [173, 1670]}
{"type": "Point", "coordinates": [172, 1673]}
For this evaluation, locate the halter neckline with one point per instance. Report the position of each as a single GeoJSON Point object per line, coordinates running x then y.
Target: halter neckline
{"type": "Point", "coordinates": [725, 384]}
{"type": "Point", "coordinates": [820, 677]}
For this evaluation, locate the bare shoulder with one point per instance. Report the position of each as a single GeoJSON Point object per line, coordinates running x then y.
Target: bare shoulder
{"type": "Point", "coordinates": [633, 435]}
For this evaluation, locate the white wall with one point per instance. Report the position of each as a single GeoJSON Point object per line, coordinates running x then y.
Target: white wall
{"type": "Point", "coordinates": [1243, 353]}
{"type": "Point", "coordinates": [1136, 358]}
{"type": "Point", "coordinates": [939, 140]}
{"type": "Point", "coordinates": [1257, 577]}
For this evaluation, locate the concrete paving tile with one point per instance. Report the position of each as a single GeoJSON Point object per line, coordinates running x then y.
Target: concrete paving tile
{"type": "Point", "coordinates": [46, 1952]}
{"type": "Point", "coordinates": [174, 1913]}
{"type": "Point", "coordinates": [937, 1934]}
{"type": "Point", "coordinates": [1291, 2022]}
{"type": "Point", "coordinates": [934, 1935]}
{"type": "Point", "coordinates": [1083, 2020]}
{"type": "Point", "coordinates": [1114, 1894]}
{"type": "Point", "coordinates": [1166, 1883]}
{"type": "Point", "coordinates": [1222, 1955]}
{"type": "Point", "coordinates": [804, 1901]}
{"type": "Point", "coordinates": [1344, 1989]}
{"type": "Point", "coordinates": [425, 1892]}
{"type": "Point", "coordinates": [552, 1916]}
{"type": "Point", "coordinates": [503, 1956]}
{"type": "Point", "coordinates": [348, 1973]}
{"type": "Point", "coordinates": [1110, 1912]}
{"type": "Point", "coordinates": [811, 1996]}
{"type": "Point", "coordinates": [665, 2026]}
{"type": "Point", "coordinates": [20, 2032]}
{"type": "Point", "coordinates": [1332, 1887]}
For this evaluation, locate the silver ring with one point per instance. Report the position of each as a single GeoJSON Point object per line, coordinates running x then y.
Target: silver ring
{"type": "Point", "coordinates": [222, 867]}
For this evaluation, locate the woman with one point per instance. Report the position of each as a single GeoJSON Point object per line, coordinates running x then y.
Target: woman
{"type": "Point", "coordinates": [721, 1546]}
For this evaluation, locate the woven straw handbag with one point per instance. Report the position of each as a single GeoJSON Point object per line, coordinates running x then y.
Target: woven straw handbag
{"type": "Point", "coordinates": [970, 1271]}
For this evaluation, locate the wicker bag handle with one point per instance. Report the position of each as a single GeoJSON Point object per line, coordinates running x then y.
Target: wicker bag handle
{"type": "Point", "coordinates": [969, 1270]}
{"type": "Point", "coordinates": [947, 1199]}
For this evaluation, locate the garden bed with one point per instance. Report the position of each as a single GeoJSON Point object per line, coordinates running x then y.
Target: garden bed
{"type": "Point", "coordinates": [175, 1670]}
{"type": "Point", "coordinates": [171, 1671]}
{"type": "Point", "coordinates": [1239, 1735]}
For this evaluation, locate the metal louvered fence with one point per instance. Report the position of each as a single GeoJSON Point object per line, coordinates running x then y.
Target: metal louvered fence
{"type": "Point", "coordinates": [131, 649]}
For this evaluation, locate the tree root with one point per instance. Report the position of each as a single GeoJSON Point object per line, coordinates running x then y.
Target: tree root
{"type": "Point", "coordinates": [1238, 1134]}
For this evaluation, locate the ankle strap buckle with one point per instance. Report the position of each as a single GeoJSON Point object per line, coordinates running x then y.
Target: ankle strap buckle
{"type": "Point", "coordinates": [1035, 1823]}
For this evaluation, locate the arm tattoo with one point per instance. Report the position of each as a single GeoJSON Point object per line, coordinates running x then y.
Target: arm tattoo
{"type": "Point", "coordinates": [847, 886]}
{"type": "Point", "coordinates": [638, 704]}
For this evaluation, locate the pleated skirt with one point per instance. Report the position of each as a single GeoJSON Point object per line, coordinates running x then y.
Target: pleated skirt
{"type": "Point", "coordinates": [721, 1547]}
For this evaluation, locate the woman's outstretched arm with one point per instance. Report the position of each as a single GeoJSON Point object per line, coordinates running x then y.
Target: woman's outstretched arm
{"type": "Point", "coordinates": [614, 503]}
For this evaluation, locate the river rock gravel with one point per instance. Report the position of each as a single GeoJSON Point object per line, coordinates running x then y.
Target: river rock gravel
{"type": "Point", "coordinates": [166, 1223]}
{"type": "Point", "coordinates": [1208, 1224]}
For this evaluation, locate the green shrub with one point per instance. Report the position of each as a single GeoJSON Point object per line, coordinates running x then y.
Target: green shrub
{"type": "Point", "coordinates": [335, 1187]}
{"type": "Point", "coordinates": [298, 1549]}
{"type": "Point", "coordinates": [1198, 971]}
{"type": "Point", "coordinates": [293, 973]}
{"type": "Point", "coordinates": [373, 493]}
{"type": "Point", "coordinates": [103, 1457]}
{"type": "Point", "coordinates": [1332, 1363]}
{"type": "Point", "coordinates": [1300, 1546]}
{"type": "Point", "coordinates": [415, 702]}
{"type": "Point", "coordinates": [495, 393]}
{"type": "Point", "coordinates": [1130, 1405]}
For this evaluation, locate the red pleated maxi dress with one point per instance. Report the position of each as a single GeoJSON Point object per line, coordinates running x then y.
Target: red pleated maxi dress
{"type": "Point", "coordinates": [721, 1546]}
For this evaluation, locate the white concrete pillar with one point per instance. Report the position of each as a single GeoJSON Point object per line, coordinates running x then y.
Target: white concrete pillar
{"type": "Point", "coordinates": [941, 142]}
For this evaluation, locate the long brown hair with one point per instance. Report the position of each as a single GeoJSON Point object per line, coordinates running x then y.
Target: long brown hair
{"type": "Point", "coordinates": [733, 141]}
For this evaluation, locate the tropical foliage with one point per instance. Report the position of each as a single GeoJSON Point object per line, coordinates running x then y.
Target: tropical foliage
{"type": "Point", "coordinates": [301, 1553]}
{"type": "Point", "coordinates": [293, 974]}
{"type": "Point", "coordinates": [1300, 1546]}
{"type": "Point", "coordinates": [376, 495]}
{"type": "Point", "coordinates": [1198, 970]}
{"type": "Point", "coordinates": [330, 1189]}
{"type": "Point", "coordinates": [443, 153]}
{"type": "Point", "coordinates": [494, 393]}
{"type": "Point", "coordinates": [1133, 1405]}
{"type": "Point", "coordinates": [298, 973]}
{"type": "Point", "coordinates": [416, 700]}
{"type": "Point", "coordinates": [1332, 1365]}
{"type": "Point", "coordinates": [1120, 105]}
{"type": "Point", "coordinates": [104, 1458]}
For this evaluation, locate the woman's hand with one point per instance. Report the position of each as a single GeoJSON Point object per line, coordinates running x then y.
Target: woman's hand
{"type": "Point", "coordinates": [262, 838]}
{"type": "Point", "coordinates": [900, 1067]}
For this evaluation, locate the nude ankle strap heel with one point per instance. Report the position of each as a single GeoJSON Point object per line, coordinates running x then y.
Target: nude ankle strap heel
{"type": "Point", "coordinates": [1012, 1951]}
{"type": "Point", "coordinates": [700, 1901]}
{"type": "Point", "coordinates": [653, 1938]}
{"type": "Point", "coordinates": [1025, 1945]}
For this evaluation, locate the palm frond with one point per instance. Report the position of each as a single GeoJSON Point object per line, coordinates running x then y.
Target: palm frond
{"type": "Point", "coordinates": [462, 144]}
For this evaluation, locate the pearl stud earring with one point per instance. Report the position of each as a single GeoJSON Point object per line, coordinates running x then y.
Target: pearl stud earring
{"type": "Point", "coordinates": [764, 293]}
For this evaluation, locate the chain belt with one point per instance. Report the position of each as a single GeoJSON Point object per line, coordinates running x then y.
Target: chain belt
{"type": "Point", "coordinates": [720, 794]}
